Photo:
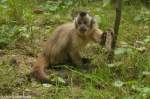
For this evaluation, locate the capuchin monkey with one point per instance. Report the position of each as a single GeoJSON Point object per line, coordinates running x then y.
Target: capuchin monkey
{"type": "Point", "coordinates": [64, 45]}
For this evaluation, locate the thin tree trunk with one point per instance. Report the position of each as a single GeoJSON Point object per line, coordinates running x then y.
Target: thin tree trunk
{"type": "Point", "coordinates": [116, 29]}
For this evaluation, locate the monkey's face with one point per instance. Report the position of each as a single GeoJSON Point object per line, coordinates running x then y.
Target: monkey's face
{"type": "Point", "coordinates": [83, 22]}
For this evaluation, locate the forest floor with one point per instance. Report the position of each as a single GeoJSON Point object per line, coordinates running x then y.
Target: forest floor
{"type": "Point", "coordinates": [21, 41]}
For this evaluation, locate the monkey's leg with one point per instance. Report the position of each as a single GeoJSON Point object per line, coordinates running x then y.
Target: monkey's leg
{"type": "Point", "coordinates": [75, 58]}
{"type": "Point", "coordinates": [79, 62]}
{"type": "Point", "coordinates": [38, 69]}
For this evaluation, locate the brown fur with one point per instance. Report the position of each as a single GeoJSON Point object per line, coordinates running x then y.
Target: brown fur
{"type": "Point", "coordinates": [63, 47]}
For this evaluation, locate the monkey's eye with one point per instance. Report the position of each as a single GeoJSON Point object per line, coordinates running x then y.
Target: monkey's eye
{"type": "Point", "coordinates": [79, 22]}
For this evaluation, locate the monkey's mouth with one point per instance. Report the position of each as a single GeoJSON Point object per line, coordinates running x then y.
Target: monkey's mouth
{"type": "Point", "coordinates": [82, 30]}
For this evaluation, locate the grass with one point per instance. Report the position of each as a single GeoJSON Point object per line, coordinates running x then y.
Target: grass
{"type": "Point", "coordinates": [22, 34]}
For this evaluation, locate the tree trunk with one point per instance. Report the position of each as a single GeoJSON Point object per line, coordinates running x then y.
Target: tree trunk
{"type": "Point", "coordinates": [116, 29]}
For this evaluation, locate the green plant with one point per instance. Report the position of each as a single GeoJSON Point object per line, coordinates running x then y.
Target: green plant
{"type": "Point", "coordinates": [143, 16]}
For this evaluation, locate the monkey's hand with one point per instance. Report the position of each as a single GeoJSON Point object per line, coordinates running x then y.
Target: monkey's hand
{"type": "Point", "coordinates": [107, 39]}
{"type": "Point", "coordinates": [103, 38]}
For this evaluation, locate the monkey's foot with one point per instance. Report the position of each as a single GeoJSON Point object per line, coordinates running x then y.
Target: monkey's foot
{"type": "Point", "coordinates": [86, 60]}
{"type": "Point", "coordinates": [87, 67]}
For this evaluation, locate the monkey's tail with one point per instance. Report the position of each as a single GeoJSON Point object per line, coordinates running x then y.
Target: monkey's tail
{"type": "Point", "coordinates": [38, 69]}
{"type": "Point", "coordinates": [40, 76]}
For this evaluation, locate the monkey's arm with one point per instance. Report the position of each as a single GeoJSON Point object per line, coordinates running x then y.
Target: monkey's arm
{"type": "Point", "coordinates": [104, 38]}
{"type": "Point", "coordinates": [99, 36]}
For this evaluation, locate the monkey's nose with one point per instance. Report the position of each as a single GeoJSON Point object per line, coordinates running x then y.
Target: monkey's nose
{"type": "Point", "coordinates": [83, 29]}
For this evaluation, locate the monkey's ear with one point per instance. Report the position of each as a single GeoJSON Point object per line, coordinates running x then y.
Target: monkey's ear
{"type": "Point", "coordinates": [93, 22]}
{"type": "Point", "coordinates": [75, 23]}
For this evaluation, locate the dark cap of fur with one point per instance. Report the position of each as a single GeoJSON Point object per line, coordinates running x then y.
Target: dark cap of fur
{"type": "Point", "coordinates": [82, 14]}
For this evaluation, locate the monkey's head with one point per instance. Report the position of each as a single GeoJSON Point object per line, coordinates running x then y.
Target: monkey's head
{"type": "Point", "coordinates": [84, 22]}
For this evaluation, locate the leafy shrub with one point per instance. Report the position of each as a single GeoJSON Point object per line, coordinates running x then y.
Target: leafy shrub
{"type": "Point", "coordinates": [14, 12]}
{"type": "Point", "coordinates": [9, 35]}
{"type": "Point", "coordinates": [144, 17]}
